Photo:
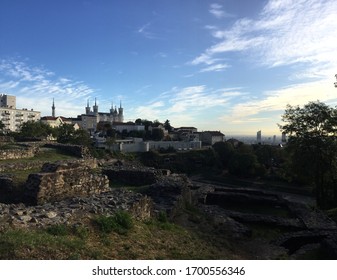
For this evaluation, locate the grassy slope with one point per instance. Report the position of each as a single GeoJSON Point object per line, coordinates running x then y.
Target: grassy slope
{"type": "Point", "coordinates": [50, 155]}
{"type": "Point", "coordinates": [145, 240]}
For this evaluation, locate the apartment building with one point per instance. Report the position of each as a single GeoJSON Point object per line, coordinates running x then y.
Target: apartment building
{"type": "Point", "coordinates": [13, 118]}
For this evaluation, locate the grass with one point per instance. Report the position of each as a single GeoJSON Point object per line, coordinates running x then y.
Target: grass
{"type": "Point", "coordinates": [136, 189]}
{"type": "Point", "coordinates": [10, 146]}
{"type": "Point", "coordinates": [46, 155]}
{"type": "Point", "coordinates": [50, 155]}
{"type": "Point", "coordinates": [153, 239]}
{"type": "Point", "coordinates": [19, 243]}
{"type": "Point", "coordinates": [120, 223]}
{"type": "Point", "coordinates": [21, 176]}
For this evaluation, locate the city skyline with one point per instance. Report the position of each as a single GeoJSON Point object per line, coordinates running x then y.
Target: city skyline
{"type": "Point", "coordinates": [221, 65]}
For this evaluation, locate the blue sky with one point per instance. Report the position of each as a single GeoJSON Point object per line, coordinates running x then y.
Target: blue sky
{"type": "Point", "coordinates": [228, 65]}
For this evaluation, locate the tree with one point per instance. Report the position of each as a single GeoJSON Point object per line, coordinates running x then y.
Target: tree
{"type": "Point", "coordinates": [138, 121]}
{"type": "Point", "coordinates": [244, 165]}
{"type": "Point", "coordinates": [168, 126]}
{"type": "Point", "coordinates": [312, 143]}
{"type": "Point", "coordinates": [147, 124]}
{"type": "Point", "coordinates": [157, 134]}
{"type": "Point", "coordinates": [35, 130]}
{"type": "Point", "coordinates": [224, 151]}
{"type": "Point", "coordinates": [67, 134]}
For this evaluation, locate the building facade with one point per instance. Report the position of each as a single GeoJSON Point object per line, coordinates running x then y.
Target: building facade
{"type": "Point", "coordinates": [92, 117]}
{"type": "Point", "coordinates": [211, 137]}
{"type": "Point", "coordinates": [13, 118]}
{"type": "Point", "coordinates": [115, 115]}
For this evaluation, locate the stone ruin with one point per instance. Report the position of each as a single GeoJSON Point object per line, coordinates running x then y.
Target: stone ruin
{"type": "Point", "coordinates": [303, 229]}
{"type": "Point", "coordinates": [66, 192]}
{"type": "Point", "coordinates": [58, 181]}
{"type": "Point", "coordinates": [25, 151]}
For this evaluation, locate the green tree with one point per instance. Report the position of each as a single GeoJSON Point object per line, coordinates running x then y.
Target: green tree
{"type": "Point", "coordinates": [224, 151]}
{"type": "Point", "coordinates": [312, 143]}
{"type": "Point", "coordinates": [138, 121]}
{"type": "Point", "coordinates": [65, 133]}
{"type": "Point", "coordinates": [168, 126]}
{"type": "Point", "coordinates": [35, 129]}
{"type": "Point", "coordinates": [68, 135]}
{"type": "Point", "coordinates": [244, 165]}
{"type": "Point", "coordinates": [157, 134]}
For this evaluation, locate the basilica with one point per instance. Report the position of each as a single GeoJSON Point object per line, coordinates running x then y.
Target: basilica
{"type": "Point", "coordinates": [115, 115]}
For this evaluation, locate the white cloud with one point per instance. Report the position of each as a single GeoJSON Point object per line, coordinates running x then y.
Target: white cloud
{"type": "Point", "coordinates": [274, 102]}
{"type": "Point", "coordinates": [35, 87]}
{"type": "Point", "coordinates": [149, 111]}
{"type": "Point", "coordinates": [203, 59]}
{"type": "Point", "coordinates": [182, 106]}
{"type": "Point", "coordinates": [217, 11]}
{"type": "Point", "coordinates": [215, 68]}
{"type": "Point", "coordinates": [145, 31]}
{"type": "Point", "coordinates": [296, 33]}
{"type": "Point", "coordinates": [285, 32]}
{"type": "Point", "coordinates": [161, 55]}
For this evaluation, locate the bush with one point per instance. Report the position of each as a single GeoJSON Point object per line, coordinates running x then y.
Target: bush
{"type": "Point", "coordinates": [121, 223]}
{"type": "Point", "coordinates": [162, 217]}
{"type": "Point", "coordinates": [58, 230]}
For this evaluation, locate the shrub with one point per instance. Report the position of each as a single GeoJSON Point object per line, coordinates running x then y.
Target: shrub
{"type": "Point", "coordinates": [59, 230]}
{"type": "Point", "coordinates": [162, 217]}
{"type": "Point", "coordinates": [121, 223]}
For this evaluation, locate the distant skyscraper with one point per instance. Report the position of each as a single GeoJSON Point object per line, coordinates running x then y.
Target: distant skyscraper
{"type": "Point", "coordinates": [258, 137]}
{"type": "Point", "coordinates": [284, 137]}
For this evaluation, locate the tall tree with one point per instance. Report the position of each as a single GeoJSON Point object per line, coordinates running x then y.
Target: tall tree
{"type": "Point", "coordinates": [68, 134]}
{"type": "Point", "coordinates": [168, 126]}
{"type": "Point", "coordinates": [35, 129]}
{"type": "Point", "coordinates": [312, 132]}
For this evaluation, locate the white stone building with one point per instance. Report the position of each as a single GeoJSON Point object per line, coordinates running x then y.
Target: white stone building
{"type": "Point", "coordinates": [13, 118]}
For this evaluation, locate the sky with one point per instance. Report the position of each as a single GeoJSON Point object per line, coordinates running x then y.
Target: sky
{"type": "Point", "coordinates": [228, 65]}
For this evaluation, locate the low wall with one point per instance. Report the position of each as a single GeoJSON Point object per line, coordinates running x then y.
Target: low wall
{"type": "Point", "coordinates": [134, 176]}
{"type": "Point", "coordinates": [8, 166]}
{"type": "Point", "coordinates": [25, 152]}
{"type": "Point", "coordinates": [60, 181]}
{"type": "Point", "coordinates": [171, 194]}
{"type": "Point", "coordinates": [76, 150]}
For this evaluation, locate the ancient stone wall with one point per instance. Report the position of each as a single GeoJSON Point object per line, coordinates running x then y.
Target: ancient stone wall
{"type": "Point", "coordinates": [25, 152]}
{"type": "Point", "coordinates": [59, 181]}
{"type": "Point", "coordinates": [76, 150]}
{"type": "Point", "coordinates": [8, 166]}
{"type": "Point", "coordinates": [171, 194]}
{"type": "Point", "coordinates": [134, 176]}
{"type": "Point", "coordinates": [75, 210]}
